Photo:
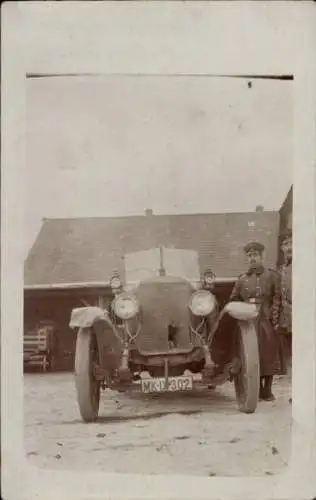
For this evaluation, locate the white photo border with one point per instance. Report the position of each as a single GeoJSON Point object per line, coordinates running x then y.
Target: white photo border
{"type": "Point", "coordinates": [130, 37]}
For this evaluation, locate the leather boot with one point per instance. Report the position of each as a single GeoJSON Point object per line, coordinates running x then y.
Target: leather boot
{"type": "Point", "coordinates": [261, 390]}
{"type": "Point", "coordinates": [268, 396]}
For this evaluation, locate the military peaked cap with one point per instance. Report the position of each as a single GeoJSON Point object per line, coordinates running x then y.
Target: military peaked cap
{"type": "Point", "coordinates": [254, 245]}
{"type": "Point", "coordinates": [208, 270]}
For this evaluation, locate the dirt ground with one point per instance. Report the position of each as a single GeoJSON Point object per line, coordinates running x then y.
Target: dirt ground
{"type": "Point", "coordinates": [194, 433]}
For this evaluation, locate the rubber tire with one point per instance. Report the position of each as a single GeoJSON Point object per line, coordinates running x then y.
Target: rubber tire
{"type": "Point", "coordinates": [247, 382]}
{"type": "Point", "coordinates": [88, 404]}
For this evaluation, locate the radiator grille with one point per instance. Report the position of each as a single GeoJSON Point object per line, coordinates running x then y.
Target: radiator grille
{"type": "Point", "coordinates": [164, 303]}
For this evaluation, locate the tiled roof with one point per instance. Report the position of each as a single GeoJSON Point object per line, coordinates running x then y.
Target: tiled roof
{"type": "Point", "coordinates": [86, 250]}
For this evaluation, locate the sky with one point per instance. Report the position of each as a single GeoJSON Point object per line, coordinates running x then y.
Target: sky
{"type": "Point", "coordinates": [116, 145]}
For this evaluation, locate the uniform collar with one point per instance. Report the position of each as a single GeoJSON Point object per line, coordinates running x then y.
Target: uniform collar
{"type": "Point", "coordinates": [256, 270]}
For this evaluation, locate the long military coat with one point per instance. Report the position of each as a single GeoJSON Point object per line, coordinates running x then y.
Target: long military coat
{"type": "Point", "coordinates": [262, 287]}
{"type": "Point", "coordinates": [286, 295]}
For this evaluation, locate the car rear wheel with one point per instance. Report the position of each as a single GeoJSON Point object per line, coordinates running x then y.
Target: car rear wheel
{"type": "Point", "coordinates": [247, 381]}
{"type": "Point", "coordinates": [87, 387]}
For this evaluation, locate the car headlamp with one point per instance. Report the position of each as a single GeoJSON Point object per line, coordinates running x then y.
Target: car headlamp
{"type": "Point", "coordinates": [202, 303]}
{"type": "Point", "coordinates": [209, 277]}
{"type": "Point", "coordinates": [115, 282]}
{"type": "Point", "coordinates": [125, 306]}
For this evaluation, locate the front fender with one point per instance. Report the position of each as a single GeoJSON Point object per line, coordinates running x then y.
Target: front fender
{"type": "Point", "coordinates": [86, 317]}
{"type": "Point", "coordinates": [242, 311]}
{"type": "Point", "coordinates": [109, 340]}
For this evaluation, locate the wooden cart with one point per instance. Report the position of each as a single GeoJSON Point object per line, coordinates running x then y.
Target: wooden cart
{"type": "Point", "coordinates": [39, 347]}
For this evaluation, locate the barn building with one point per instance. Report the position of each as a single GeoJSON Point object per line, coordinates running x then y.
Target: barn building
{"type": "Point", "coordinates": [72, 260]}
{"type": "Point", "coordinates": [286, 216]}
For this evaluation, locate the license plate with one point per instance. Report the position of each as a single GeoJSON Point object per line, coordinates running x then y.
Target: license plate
{"type": "Point", "coordinates": [174, 384]}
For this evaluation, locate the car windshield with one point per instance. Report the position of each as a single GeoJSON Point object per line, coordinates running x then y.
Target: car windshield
{"type": "Point", "coordinates": [175, 262]}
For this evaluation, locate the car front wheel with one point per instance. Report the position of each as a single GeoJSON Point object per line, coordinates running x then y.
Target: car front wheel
{"type": "Point", "coordinates": [247, 381]}
{"type": "Point", "coordinates": [87, 387]}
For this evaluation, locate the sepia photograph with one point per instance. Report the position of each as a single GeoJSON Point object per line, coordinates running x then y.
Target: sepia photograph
{"type": "Point", "coordinates": [157, 251]}
{"type": "Point", "coordinates": [157, 292]}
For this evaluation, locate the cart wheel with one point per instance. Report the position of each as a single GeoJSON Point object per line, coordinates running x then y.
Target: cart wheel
{"type": "Point", "coordinates": [87, 387]}
{"type": "Point", "coordinates": [52, 364]}
{"type": "Point", "coordinates": [247, 381]}
{"type": "Point", "coordinates": [44, 364]}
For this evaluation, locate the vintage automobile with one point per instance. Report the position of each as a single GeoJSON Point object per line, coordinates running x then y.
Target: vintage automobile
{"type": "Point", "coordinates": [165, 331]}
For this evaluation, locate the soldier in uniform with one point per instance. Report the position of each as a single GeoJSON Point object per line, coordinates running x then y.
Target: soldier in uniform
{"type": "Point", "coordinates": [286, 300]}
{"type": "Point", "coordinates": [261, 286]}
